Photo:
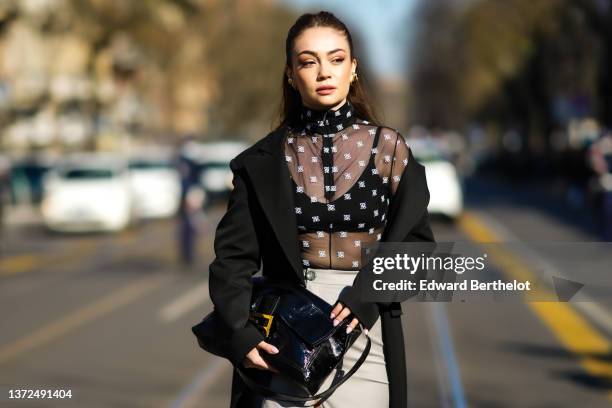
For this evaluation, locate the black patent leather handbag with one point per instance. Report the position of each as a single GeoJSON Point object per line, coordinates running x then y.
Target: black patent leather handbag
{"type": "Point", "coordinates": [297, 322]}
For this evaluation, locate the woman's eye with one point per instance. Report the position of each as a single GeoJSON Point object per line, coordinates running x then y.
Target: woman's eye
{"type": "Point", "coordinates": [338, 60]}
{"type": "Point", "coordinates": [307, 63]}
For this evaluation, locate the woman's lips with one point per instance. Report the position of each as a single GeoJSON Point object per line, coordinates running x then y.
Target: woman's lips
{"type": "Point", "coordinates": [326, 90]}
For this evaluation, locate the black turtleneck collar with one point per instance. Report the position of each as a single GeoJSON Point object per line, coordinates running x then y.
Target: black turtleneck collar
{"type": "Point", "coordinates": [327, 121]}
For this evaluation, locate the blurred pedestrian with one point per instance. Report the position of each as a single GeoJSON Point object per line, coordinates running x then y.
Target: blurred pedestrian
{"type": "Point", "coordinates": [5, 170]}
{"type": "Point", "coordinates": [189, 214]}
{"type": "Point", "coordinates": [600, 160]}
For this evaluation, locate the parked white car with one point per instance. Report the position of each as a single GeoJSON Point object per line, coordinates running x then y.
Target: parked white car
{"type": "Point", "coordinates": [213, 160]}
{"type": "Point", "coordinates": [156, 185]}
{"type": "Point", "coordinates": [445, 191]}
{"type": "Point", "coordinates": [88, 192]}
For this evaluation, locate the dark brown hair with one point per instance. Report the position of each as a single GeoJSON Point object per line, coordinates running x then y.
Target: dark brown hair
{"type": "Point", "coordinates": [291, 103]}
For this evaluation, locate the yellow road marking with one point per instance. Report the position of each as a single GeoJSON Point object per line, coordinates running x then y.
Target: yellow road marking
{"type": "Point", "coordinates": [82, 316]}
{"type": "Point", "coordinates": [114, 300]}
{"type": "Point", "coordinates": [13, 265]}
{"type": "Point", "coordinates": [568, 326]}
{"type": "Point", "coordinates": [17, 264]}
{"type": "Point", "coordinates": [28, 263]}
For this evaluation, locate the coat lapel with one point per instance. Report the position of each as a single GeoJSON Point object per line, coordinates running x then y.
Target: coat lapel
{"type": "Point", "coordinates": [271, 181]}
{"type": "Point", "coordinates": [409, 203]}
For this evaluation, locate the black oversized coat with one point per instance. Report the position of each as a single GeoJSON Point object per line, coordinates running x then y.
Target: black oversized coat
{"type": "Point", "coordinates": [260, 227]}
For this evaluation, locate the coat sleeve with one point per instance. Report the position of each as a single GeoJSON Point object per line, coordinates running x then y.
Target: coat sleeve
{"type": "Point", "coordinates": [237, 258]}
{"type": "Point", "coordinates": [368, 312]}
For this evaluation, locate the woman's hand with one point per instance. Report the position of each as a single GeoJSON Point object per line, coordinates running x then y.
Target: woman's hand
{"type": "Point", "coordinates": [340, 312]}
{"type": "Point", "coordinates": [254, 360]}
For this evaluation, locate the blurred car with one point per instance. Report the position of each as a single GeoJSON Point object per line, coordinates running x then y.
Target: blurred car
{"type": "Point", "coordinates": [446, 193]}
{"type": "Point", "coordinates": [155, 183]}
{"type": "Point", "coordinates": [88, 192]}
{"type": "Point", "coordinates": [212, 159]}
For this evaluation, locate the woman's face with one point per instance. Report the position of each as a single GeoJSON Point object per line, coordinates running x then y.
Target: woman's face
{"type": "Point", "coordinates": [321, 67]}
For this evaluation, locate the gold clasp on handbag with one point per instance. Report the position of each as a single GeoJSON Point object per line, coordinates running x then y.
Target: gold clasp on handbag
{"type": "Point", "coordinates": [263, 320]}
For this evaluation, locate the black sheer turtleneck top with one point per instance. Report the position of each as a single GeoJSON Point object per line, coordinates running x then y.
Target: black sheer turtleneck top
{"type": "Point", "coordinates": [344, 172]}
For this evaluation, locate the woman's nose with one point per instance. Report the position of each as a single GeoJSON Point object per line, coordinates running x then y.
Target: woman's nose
{"type": "Point", "coordinates": [324, 71]}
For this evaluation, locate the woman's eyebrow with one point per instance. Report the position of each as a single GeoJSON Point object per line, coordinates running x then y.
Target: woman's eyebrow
{"type": "Point", "coordinates": [315, 54]}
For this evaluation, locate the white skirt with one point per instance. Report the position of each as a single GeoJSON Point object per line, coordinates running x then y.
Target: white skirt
{"type": "Point", "coordinates": [369, 386]}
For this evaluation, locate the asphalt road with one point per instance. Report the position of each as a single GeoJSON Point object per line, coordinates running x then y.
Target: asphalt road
{"type": "Point", "coordinates": [108, 317]}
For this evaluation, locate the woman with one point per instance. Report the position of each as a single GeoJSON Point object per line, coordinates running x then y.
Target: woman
{"type": "Point", "coordinates": [306, 198]}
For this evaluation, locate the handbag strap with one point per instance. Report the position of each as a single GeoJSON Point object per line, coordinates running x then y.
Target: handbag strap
{"type": "Point", "coordinates": [322, 396]}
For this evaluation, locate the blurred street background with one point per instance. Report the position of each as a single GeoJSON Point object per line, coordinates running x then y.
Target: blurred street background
{"type": "Point", "coordinates": [118, 120]}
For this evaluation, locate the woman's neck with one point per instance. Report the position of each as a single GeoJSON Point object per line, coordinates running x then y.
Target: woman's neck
{"type": "Point", "coordinates": [326, 121]}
